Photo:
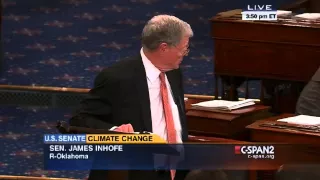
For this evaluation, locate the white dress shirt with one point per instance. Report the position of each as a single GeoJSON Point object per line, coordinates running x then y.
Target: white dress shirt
{"type": "Point", "coordinates": [156, 107]}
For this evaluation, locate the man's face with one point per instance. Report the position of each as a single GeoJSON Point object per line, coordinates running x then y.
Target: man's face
{"type": "Point", "coordinates": [173, 55]}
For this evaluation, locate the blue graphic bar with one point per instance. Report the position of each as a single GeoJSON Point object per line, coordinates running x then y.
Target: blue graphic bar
{"type": "Point", "coordinates": [64, 138]}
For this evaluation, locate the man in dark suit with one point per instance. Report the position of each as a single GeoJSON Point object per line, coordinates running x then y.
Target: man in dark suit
{"type": "Point", "coordinates": [143, 93]}
{"type": "Point", "coordinates": [309, 99]}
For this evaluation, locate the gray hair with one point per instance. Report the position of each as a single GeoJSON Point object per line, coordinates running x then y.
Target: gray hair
{"type": "Point", "coordinates": [164, 29]}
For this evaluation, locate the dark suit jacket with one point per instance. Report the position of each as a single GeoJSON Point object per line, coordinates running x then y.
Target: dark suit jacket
{"type": "Point", "coordinates": [120, 96]}
{"type": "Point", "coordinates": [309, 100]}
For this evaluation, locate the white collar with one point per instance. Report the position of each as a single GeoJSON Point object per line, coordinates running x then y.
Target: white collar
{"type": "Point", "coordinates": [151, 71]}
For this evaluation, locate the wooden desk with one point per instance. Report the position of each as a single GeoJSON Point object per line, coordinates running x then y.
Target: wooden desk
{"type": "Point", "coordinates": [286, 50]}
{"type": "Point", "coordinates": [225, 124]}
{"type": "Point", "coordinates": [308, 151]}
{"type": "Point", "coordinates": [210, 140]}
{"type": "Point", "coordinates": [266, 134]}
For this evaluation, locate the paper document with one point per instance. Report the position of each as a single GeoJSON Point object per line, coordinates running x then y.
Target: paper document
{"type": "Point", "coordinates": [309, 15]}
{"type": "Point", "coordinates": [230, 13]}
{"type": "Point", "coordinates": [223, 105]}
{"type": "Point", "coordinates": [302, 119]}
{"type": "Point", "coordinates": [283, 13]}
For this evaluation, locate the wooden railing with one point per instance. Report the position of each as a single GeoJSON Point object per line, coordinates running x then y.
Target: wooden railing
{"type": "Point", "coordinates": [84, 90]}
{"type": "Point", "coordinates": [5, 177]}
{"type": "Point", "coordinates": [44, 88]}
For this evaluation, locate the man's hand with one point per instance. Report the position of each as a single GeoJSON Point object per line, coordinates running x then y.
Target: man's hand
{"type": "Point", "coordinates": [125, 128]}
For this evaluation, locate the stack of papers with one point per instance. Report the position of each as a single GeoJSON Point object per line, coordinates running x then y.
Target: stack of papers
{"type": "Point", "coordinates": [309, 15]}
{"type": "Point", "coordinates": [223, 105]}
{"type": "Point", "coordinates": [302, 120]}
{"type": "Point", "coordinates": [283, 13]}
{"type": "Point", "coordinates": [230, 13]}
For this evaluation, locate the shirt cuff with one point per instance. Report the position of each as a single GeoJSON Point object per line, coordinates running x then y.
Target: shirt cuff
{"type": "Point", "coordinates": [113, 128]}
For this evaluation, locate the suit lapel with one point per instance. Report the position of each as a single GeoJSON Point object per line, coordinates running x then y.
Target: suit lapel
{"type": "Point", "coordinates": [174, 86]}
{"type": "Point", "coordinates": [143, 95]}
{"type": "Point", "coordinates": [174, 81]}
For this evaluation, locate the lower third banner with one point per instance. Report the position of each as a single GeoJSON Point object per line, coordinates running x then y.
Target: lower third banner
{"type": "Point", "coordinates": [151, 156]}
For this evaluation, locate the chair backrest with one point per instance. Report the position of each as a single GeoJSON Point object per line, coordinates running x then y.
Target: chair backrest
{"type": "Point", "coordinates": [298, 172]}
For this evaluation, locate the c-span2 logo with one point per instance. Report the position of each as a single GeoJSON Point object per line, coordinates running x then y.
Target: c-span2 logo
{"type": "Point", "coordinates": [237, 149]}
{"type": "Point", "coordinates": [254, 150]}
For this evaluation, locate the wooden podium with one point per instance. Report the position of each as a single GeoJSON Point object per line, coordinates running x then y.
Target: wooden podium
{"type": "Point", "coordinates": [287, 50]}
{"type": "Point", "coordinates": [259, 133]}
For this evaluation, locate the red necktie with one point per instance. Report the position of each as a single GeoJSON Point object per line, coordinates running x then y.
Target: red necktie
{"type": "Point", "coordinates": [171, 131]}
